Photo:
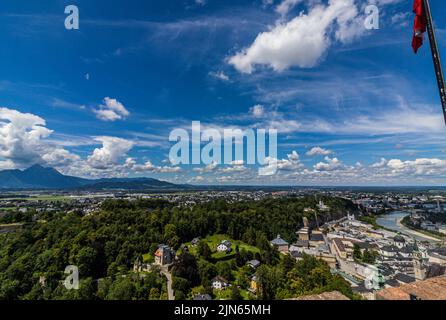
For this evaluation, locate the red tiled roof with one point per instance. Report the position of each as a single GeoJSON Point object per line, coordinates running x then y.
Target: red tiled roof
{"type": "Point", "coordinates": [430, 289]}
{"type": "Point", "coordinates": [334, 295]}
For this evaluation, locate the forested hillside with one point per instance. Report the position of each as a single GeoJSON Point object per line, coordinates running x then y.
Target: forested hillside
{"type": "Point", "coordinates": [105, 244]}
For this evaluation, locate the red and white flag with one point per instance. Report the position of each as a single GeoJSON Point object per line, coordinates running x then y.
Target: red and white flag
{"type": "Point", "coordinates": [419, 26]}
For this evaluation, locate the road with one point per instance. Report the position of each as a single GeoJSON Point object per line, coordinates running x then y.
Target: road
{"type": "Point", "coordinates": [170, 292]}
{"type": "Point", "coordinates": [416, 233]}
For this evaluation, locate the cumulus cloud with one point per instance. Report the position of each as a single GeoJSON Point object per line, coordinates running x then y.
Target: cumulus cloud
{"type": "Point", "coordinates": [6, 165]}
{"type": "Point", "coordinates": [381, 164]}
{"type": "Point", "coordinates": [197, 179]}
{"type": "Point", "coordinates": [60, 157]}
{"type": "Point", "coordinates": [330, 164]}
{"type": "Point", "coordinates": [273, 165]}
{"type": "Point", "coordinates": [113, 149]}
{"type": "Point", "coordinates": [23, 141]}
{"type": "Point", "coordinates": [148, 166]}
{"type": "Point", "coordinates": [208, 168]}
{"type": "Point", "coordinates": [422, 166]}
{"type": "Point", "coordinates": [235, 166]}
{"type": "Point", "coordinates": [302, 41]}
{"type": "Point", "coordinates": [318, 151]}
{"type": "Point", "coordinates": [111, 110]}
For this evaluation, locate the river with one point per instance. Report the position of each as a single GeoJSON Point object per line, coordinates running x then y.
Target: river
{"type": "Point", "coordinates": [393, 221]}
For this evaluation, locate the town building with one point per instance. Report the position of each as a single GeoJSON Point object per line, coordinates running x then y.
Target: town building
{"type": "Point", "coordinates": [430, 289]}
{"type": "Point", "coordinates": [280, 244]}
{"type": "Point", "coordinates": [219, 283]}
{"type": "Point", "coordinates": [253, 264]}
{"type": "Point", "coordinates": [224, 246]}
{"type": "Point", "coordinates": [164, 255]}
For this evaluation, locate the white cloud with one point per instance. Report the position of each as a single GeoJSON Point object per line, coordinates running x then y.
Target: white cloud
{"type": "Point", "coordinates": [113, 149]}
{"type": "Point", "coordinates": [273, 165]}
{"type": "Point", "coordinates": [381, 164]}
{"type": "Point", "coordinates": [219, 75]}
{"type": "Point", "coordinates": [302, 41]}
{"type": "Point", "coordinates": [111, 110]}
{"type": "Point", "coordinates": [329, 165]}
{"type": "Point", "coordinates": [235, 166]}
{"type": "Point", "coordinates": [131, 164]}
{"type": "Point", "coordinates": [286, 6]}
{"type": "Point", "coordinates": [208, 168]}
{"type": "Point", "coordinates": [401, 19]}
{"type": "Point", "coordinates": [6, 165]}
{"type": "Point", "coordinates": [422, 166]}
{"type": "Point", "coordinates": [401, 119]}
{"type": "Point", "coordinates": [59, 103]}
{"type": "Point", "coordinates": [318, 151]}
{"type": "Point", "coordinates": [60, 157]}
{"type": "Point", "coordinates": [23, 141]}
{"type": "Point", "coordinates": [257, 111]}
{"type": "Point", "coordinates": [197, 179]}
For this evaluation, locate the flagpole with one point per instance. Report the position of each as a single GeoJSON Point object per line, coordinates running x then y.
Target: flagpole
{"type": "Point", "coordinates": [435, 56]}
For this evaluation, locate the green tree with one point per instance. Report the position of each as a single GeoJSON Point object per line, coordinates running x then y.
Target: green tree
{"type": "Point", "coordinates": [123, 288]}
{"type": "Point", "coordinates": [170, 236]}
{"type": "Point", "coordinates": [268, 282]}
{"type": "Point", "coordinates": [224, 269]}
{"type": "Point", "coordinates": [357, 255]}
{"type": "Point", "coordinates": [206, 271]}
{"type": "Point", "coordinates": [203, 250]}
{"type": "Point", "coordinates": [154, 294]}
{"type": "Point", "coordinates": [186, 267]}
{"type": "Point", "coordinates": [368, 257]}
{"type": "Point", "coordinates": [235, 294]}
{"type": "Point", "coordinates": [85, 260]}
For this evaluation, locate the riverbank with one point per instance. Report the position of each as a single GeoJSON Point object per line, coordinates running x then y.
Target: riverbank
{"type": "Point", "coordinates": [392, 221]}
{"type": "Point", "coordinates": [420, 233]}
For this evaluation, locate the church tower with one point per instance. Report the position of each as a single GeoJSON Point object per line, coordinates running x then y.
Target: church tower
{"type": "Point", "coordinates": [419, 264]}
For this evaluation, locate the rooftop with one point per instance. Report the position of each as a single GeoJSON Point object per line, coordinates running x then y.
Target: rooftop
{"type": "Point", "coordinates": [430, 289]}
{"type": "Point", "coordinates": [402, 277]}
{"type": "Point", "coordinates": [279, 241]}
{"type": "Point", "coordinates": [334, 295]}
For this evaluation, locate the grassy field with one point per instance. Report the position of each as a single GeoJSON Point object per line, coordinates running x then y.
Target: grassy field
{"type": "Point", "coordinates": [214, 240]}
{"type": "Point", "coordinates": [147, 258]}
{"type": "Point", "coordinates": [11, 225]}
{"type": "Point", "coordinates": [45, 197]}
{"type": "Point", "coordinates": [238, 274]}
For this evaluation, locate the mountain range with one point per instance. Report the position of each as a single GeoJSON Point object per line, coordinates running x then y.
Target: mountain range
{"type": "Point", "coordinates": [39, 177]}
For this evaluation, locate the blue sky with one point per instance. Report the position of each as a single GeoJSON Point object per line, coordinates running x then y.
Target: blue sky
{"type": "Point", "coordinates": [356, 105]}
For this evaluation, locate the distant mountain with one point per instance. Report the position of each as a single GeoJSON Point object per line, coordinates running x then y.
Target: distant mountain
{"type": "Point", "coordinates": [131, 184]}
{"type": "Point", "coordinates": [39, 177]}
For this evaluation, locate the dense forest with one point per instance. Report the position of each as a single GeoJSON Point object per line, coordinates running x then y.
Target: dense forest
{"type": "Point", "coordinates": [105, 244]}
